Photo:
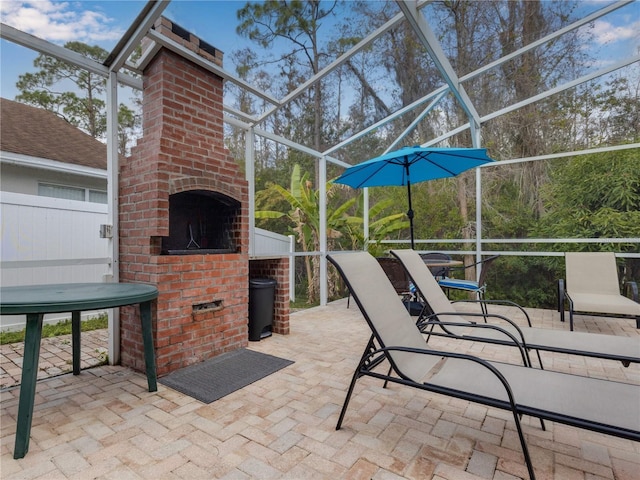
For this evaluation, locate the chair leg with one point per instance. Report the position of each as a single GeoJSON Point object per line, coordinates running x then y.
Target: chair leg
{"type": "Point", "coordinates": [370, 346]}
{"type": "Point", "coordinates": [523, 444]}
{"type": "Point", "coordinates": [429, 334]}
{"type": "Point", "coordinates": [570, 315]}
{"type": "Point", "coordinates": [561, 298]}
{"type": "Point", "coordinates": [347, 398]}
{"type": "Point", "coordinates": [386, 382]}
{"type": "Point", "coordinates": [483, 304]}
{"type": "Point", "coordinates": [540, 360]}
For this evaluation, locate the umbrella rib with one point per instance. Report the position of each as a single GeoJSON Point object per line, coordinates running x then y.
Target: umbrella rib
{"type": "Point", "coordinates": [440, 167]}
{"type": "Point", "coordinates": [450, 172]}
{"type": "Point", "coordinates": [373, 173]}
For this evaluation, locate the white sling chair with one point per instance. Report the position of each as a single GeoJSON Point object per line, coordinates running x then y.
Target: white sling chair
{"type": "Point", "coordinates": [592, 287]}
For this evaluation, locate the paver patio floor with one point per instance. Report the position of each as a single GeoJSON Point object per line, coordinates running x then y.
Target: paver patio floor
{"type": "Point", "coordinates": [104, 424]}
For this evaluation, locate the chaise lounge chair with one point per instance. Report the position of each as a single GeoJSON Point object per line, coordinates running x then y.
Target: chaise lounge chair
{"type": "Point", "coordinates": [592, 287]}
{"type": "Point", "coordinates": [397, 275]}
{"type": "Point", "coordinates": [599, 405]}
{"type": "Point", "coordinates": [611, 347]}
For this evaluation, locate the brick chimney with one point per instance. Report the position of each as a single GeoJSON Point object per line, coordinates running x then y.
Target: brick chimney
{"type": "Point", "coordinates": [184, 215]}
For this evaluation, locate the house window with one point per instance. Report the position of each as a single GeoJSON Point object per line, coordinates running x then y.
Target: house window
{"type": "Point", "coordinates": [97, 196]}
{"type": "Point", "coordinates": [72, 193]}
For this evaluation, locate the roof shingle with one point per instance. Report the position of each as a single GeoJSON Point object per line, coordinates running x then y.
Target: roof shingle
{"type": "Point", "coordinates": [36, 132]}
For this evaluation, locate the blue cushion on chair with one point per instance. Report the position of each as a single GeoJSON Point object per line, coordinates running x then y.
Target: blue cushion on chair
{"type": "Point", "coordinates": [469, 285]}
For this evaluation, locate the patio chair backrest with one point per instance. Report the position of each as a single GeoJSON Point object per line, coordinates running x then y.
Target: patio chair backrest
{"type": "Point", "coordinates": [425, 282]}
{"type": "Point", "coordinates": [592, 272]}
{"type": "Point", "coordinates": [384, 311]}
{"type": "Point", "coordinates": [437, 256]}
{"type": "Point", "coordinates": [484, 269]}
{"type": "Point", "coordinates": [396, 273]}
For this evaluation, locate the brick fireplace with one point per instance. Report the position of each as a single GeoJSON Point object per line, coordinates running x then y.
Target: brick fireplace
{"type": "Point", "coordinates": [184, 215]}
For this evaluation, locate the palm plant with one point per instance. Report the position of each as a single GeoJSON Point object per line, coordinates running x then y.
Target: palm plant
{"type": "Point", "coordinates": [303, 218]}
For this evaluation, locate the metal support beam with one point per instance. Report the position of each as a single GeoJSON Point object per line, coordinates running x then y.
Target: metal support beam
{"type": "Point", "coordinates": [284, 141]}
{"type": "Point", "coordinates": [365, 216]}
{"type": "Point", "coordinates": [132, 38]}
{"type": "Point", "coordinates": [566, 86]}
{"type": "Point", "coordinates": [417, 120]}
{"type": "Point", "coordinates": [322, 187]}
{"type": "Point", "coordinates": [73, 58]}
{"type": "Point", "coordinates": [245, 117]}
{"type": "Point", "coordinates": [249, 163]}
{"type": "Point", "coordinates": [388, 119]}
{"type": "Point", "coordinates": [362, 44]}
{"type": "Point", "coordinates": [541, 41]}
{"type": "Point", "coordinates": [113, 202]}
{"type": "Point", "coordinates": [210, 66]}
{"type": "Point", "coordinates": [430, 42]}
{"type": "Point", "coordinates": [560, 88]}
{"type": "Point", "coordinates": [14, 35]}
{"type": "Point", "coordinates": [478, 220]}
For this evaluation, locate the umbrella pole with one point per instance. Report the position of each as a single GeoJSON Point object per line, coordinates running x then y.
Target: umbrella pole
{"type": "Point", "coordinates": [410, 213]}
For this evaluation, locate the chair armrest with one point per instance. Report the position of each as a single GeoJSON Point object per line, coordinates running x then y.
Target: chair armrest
{"type": "Point", "coordinates": [474, 324]}
{"type": "Point", "coordinates": [499, 302]}
{"type": "Point", "coordinates": [433, 320]}
{"type": "Point", "coordinates": [633, 288]}
{"type": "Point", "coordinates": [408, 381]}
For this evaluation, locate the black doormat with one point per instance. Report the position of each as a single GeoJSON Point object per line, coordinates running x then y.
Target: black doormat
{"type": "Point", "coordinates": [213, 379]}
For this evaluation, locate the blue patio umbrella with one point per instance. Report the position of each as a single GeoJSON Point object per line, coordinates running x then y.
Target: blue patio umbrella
{"type": "Point", "coordinates": [412, 165]}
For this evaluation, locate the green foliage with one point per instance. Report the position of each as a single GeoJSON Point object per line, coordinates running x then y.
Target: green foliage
{"type": "Point", "coordinates": [265, 21]}
{"type": "Point", "coordinates": [303, 215]}
{"type": "Point", "coordinates": [528, 281]}
{"type": "Point", "coordinates": [81, 109]}
{"type": "Point", "coordinates": [594, 196]}
{"type": "Point", "coordinates": [435, 209]}
{"type": "Point", "coordinates": [503, 215]}
{"type": "Point", "coordinates": [84, 106]}
{"type": "Point", "coordinates": [60, 328]}
{"type": "Point", "coordinates": [384, 224]}
{"type": "Point", "coordinates": [344, 218]}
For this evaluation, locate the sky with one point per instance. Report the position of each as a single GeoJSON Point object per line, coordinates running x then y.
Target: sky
{"type": "Point", "coordinates": [104, 22]}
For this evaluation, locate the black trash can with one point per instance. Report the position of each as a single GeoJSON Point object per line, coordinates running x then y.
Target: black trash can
{"type": "Point", "coordinates": [262, 292]}
{"type": "Point", "coordinates": [414, 308]}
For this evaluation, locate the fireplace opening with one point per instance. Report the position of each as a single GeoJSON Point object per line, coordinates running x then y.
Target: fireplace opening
{"type": "Point", "coordinates": [201, 222]}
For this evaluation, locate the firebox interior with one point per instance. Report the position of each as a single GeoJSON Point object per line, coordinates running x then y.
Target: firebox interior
{"type": "Point", "coordinates": [201, 222]}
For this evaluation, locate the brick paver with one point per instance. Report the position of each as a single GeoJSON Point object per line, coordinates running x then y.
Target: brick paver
{"type": "Point", "coordinates": [55, 356]}
{"type": "Point", "coordinates": [104, 424]}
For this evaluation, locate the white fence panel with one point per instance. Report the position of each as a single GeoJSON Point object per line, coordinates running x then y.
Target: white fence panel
{"type": "Point", "coordinates": [270, 244]}
{"type": "Point", "coordinates": [50, 240]}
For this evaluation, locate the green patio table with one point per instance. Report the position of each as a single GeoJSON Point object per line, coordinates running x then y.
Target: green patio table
{"type": "Point", "coordinates": [35, 301]}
